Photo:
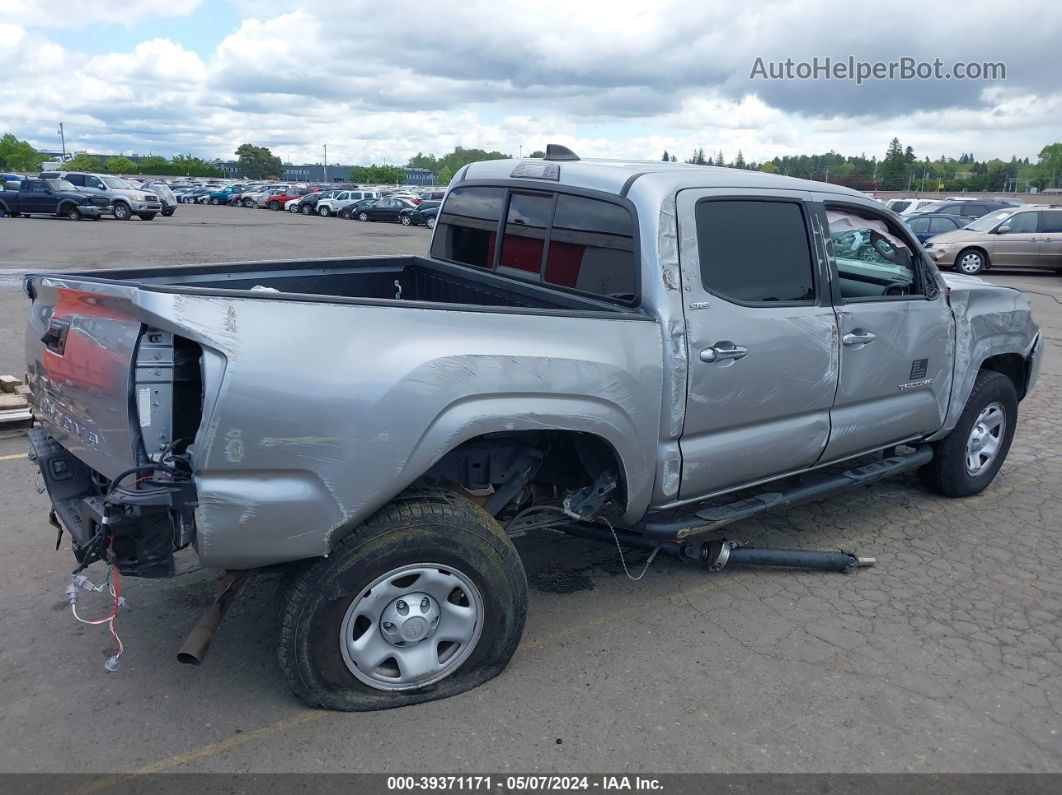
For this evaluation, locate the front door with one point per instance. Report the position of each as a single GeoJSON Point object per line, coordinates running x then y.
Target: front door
{"type": "Point", "coordinates": [896, 333]}
{"type": "Point", "coordinates": [1016, 241]}
{"type": "Point", "coordinates": [38, 199]}
{"type": "Point", "coordinates": [761, 338]}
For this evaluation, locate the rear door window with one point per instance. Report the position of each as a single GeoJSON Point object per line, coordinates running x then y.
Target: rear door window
{"type": "Point", "coordinates": [755, 252]}
{"type": "Point", "coordinates": [938, 225]}
{"type": "Point", "coordinates": [76, 179]}
{"type": "Point", "coordinates": [1051, 220]}
{"type": "Point", "coordinates": [919, 224]}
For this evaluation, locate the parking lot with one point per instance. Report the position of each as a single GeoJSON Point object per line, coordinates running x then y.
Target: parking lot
{"type": "Point", "coordinates": [947, 656]}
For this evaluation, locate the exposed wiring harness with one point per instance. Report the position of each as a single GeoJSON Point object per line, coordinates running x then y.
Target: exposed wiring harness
{"type": "Point", "coordinates": [112, 584]}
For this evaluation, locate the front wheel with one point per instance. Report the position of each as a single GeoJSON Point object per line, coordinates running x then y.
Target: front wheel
{"type": "Point", "coordinates": [274, 206]}
{"type": "Point", "coordinates": [215, 201]}
{"type": "Point", "coordinates": [363, 216]}
{"type": "Point", "coordinates": [430, 222]}
{"type": "Point", "coordinates": [168, 213]}
{"type": "Point", "coordinates": [324, 212]}
{"type": "Point", "coordinates": [425, 600]}
{"type": "Point", "coordinates": [73, 214]}
{"type": "Point", "coordinates": [971, 261]}
{"type": "Point", "coordinates": [122, 212]}
{"type": "Point", "coordinates": [147, 216]}
{"type": "Point", "coordinates": [967, 459]}
{"type": "Point", "coordinates": [307, 209]}
{"type": "Point", "coordinates": [406, 220]}
{"type": "Point", "coordinates": [293, 208]}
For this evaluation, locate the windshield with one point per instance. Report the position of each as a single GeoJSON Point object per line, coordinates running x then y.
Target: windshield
{"type": "Point", "coordinates": [60, 184]}
{"type": "Point", "coordinates": [116, 182]}
{"type": "Point", "coordinates": [986, 222]}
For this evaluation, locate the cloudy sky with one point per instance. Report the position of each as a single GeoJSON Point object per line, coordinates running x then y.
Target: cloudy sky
{"type": "Point", "coordinates": [378, 81]}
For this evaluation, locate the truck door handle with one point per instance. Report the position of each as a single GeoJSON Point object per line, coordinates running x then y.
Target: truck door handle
{"type": "Point", "coordinates": [859, 337]}
{"type": "Point", "coordinates": [717, 354]}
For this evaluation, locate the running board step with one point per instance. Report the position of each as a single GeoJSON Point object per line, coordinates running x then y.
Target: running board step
{"type": "Point", "coordinates": [668, 528]}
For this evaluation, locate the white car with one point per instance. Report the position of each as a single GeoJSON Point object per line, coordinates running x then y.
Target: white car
{"type": "Point", "coordinates": [292, 205]}
{"type": "Point", "coordinates": [909, 205]}
{"type": "Point", "coordinates": [333, 204]}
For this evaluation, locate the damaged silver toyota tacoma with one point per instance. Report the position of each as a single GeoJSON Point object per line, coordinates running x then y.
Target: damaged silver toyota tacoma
{"type": "Point", "coordinates": [638, 352]}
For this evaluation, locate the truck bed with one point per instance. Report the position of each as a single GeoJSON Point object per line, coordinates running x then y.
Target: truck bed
{"type": "Point", "coordinates": [370, 280]}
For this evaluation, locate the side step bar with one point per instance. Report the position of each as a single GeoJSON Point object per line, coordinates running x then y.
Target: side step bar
{"type": "Point", "coordinates": [669, 528]}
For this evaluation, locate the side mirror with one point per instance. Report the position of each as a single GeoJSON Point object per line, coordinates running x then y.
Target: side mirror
{"type": "Point", "coordinates": [1002, 229]}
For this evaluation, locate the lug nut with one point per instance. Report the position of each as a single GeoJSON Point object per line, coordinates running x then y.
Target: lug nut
{"type": "Point", "coordinates": [424, 605]}
{"type": "Point", "coordinates": [402, 607]}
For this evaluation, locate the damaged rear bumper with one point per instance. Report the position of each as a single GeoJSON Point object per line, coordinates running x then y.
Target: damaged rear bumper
{"type": "Point", "coordinates": [137, 529]}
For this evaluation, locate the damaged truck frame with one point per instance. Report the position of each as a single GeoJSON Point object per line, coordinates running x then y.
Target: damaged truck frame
{"type": "Point", "coordinates": [644, 351]}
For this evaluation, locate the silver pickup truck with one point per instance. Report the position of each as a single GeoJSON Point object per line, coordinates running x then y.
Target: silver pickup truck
{"type": "Point", "coordinates": [641, 350]}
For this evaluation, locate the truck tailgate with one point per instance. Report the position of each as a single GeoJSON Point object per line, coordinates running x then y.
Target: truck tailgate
{"type": "Point", "coordinates": [81, 342]}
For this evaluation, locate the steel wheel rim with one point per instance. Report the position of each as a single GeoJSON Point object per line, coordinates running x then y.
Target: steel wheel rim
{"type": "Point", "coordinates": [971, 263]}
{"type": "Point", "coordinates": [422, 650]}
{"type": "Point", "coordinates": [430, 223]}
{"type": "Point", "coordinates": [986, 438]}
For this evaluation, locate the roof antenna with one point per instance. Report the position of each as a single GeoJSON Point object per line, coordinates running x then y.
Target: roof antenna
{"type": "Point", "coordinates": [558, 152]}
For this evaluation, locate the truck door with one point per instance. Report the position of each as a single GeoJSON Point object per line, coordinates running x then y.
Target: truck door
{"type": "Point", "coordinates": [896, 333]}
{"type": "Point", "coordinates": [761, 334]}
{"type": "Point", "coordinates": [36, 197]}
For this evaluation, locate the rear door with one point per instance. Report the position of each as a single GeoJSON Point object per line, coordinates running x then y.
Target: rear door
{"type": "Point", "coordinates": [896, 332]}
{"type": "Point", "coordinates": [761, 338]}
{"type": "Point", "coordinates": [1049, 253]}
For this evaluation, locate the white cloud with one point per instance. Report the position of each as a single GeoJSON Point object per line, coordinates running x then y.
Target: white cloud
{"type": "Point", "coordinates": [379, 82]}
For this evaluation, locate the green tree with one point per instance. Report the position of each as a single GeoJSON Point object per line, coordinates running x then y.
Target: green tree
{"type": "Point", "coordinates": [536, 153]}
{"type": "Point", "coordinates": [739, 161]}
{"type": "Point", "coordinates": [719, 159]}
{"type": "Point", "coordinates": [153, 164]}
{"type": "Point", "coordinates": [769, 168]}
{"type": "Point", "coordinates": [84, 162]}
{"type": "Point", "coordinates": [16, 155]}
{"type": "Point", "coordinates": [188, 166]}
{"type": "Point", "coordinates": [666, 158]}
{"type": "Point", "coordinates": [120, 165]}
{"type": "Point", "coordinates": [1049, 168]}
{"type": "Point", "coordinates": [257, 162]}
{"type": "Point", "coordinates": [893, 171]}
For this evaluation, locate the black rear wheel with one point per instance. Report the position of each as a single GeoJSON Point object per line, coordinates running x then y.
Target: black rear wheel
{"type": "Point", "coordinates": [425, 600]}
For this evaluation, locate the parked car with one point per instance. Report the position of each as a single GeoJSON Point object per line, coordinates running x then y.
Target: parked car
{"type": "Point", "coordinates": [223, 195]}
{"type": "Point", "coordinates": [331, 205]}
{"type": "Point", "coordinates": [166, 196]}
{"type": "Point", "coordinates": [1029, 236]}
{"type": "Point", "coordinates": [625, 314]}
{"type": "Point", "coordinates": [308, 204]}
{"type": "Point", "coordinates": [970, 208]}
{"type": "Point", "coordinates": [124, 199]}
{"type": "Point", "coordinates": [50, 197]}
{"type": "Point", "coordinates": [350, 211]}
{"type": "Point", "coordinates": [257, 196]}
{"type": "Point", "coordinates": [278, 200]}
{"type": "Point", "coordinates": [389, 209]}
{"type": "Point", "coordinates": [412, 216]}
{"type": "Point", "coordinates": [909, 206]}
{"type": "Point", "coordinates": [926, 225]}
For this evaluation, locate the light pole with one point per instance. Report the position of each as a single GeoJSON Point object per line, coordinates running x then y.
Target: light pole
{"type": "Point", "coordinates": [62, 137]}
{"type": "Point", "coordinates": [326, 162]}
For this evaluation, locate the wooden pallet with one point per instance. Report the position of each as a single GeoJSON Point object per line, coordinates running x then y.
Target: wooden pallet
{"type": "Point", "coordinates": [14, 403]}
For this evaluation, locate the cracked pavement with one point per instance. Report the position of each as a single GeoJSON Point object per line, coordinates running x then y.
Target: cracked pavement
{"type": "Point", "coordinates": [946, 656]}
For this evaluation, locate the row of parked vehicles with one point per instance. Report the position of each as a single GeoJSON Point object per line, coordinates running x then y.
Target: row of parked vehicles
{"type": "Point", "coordinates": [76, 195]}
{"type": "Point", "coordinates": [407, 207]}
{"type": "Point", "coordinates": [972, 235]}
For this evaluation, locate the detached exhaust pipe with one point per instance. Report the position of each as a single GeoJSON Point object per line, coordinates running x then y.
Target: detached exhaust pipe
{"type": "Point", "coordinates": [197, 644]}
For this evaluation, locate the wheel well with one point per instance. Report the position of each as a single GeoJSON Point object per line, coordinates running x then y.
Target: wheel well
{"type": "Point", "coordinates": [571, 460]}
{"type": "Point", "coordinates": [1013, 366]}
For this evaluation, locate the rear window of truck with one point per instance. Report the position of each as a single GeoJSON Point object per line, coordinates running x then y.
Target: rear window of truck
{"type": "Point", "coordinates": [575, 242]}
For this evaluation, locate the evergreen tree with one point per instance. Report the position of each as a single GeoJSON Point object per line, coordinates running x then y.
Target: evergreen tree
{"type": "Point", "coordinates": [666, 156]}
